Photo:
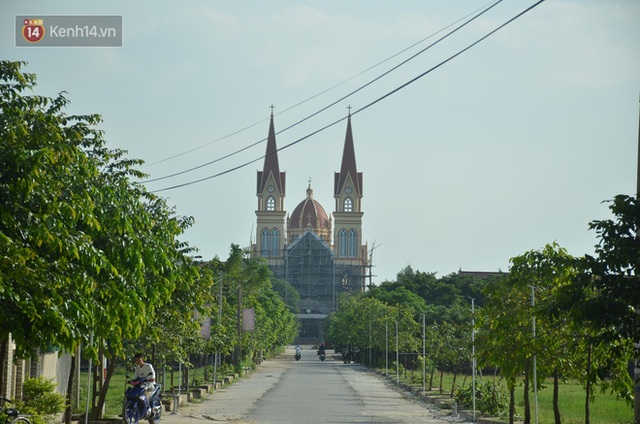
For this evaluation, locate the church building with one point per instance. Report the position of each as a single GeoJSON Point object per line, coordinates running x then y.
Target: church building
{"type": "Point", "coordinates": [319, 255]}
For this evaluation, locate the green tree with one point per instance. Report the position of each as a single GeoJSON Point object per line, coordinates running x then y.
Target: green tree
{"type": "Point", "coordinates": [504, 334]}
{"type": "Point", "coordinates": [87, 256]}
{"type": "Point", "coordinates": [399, 296]}
{"type": "Point", "coordinates": [417, 282]}
{"type": "Point", "coordinates": [557, 341]}
{"type": "Point", "coordinates": [248, 284]}
{"type": "Point", "coordinates": [605, 293]}
{"type": "Point", "coordinates": [603, 298]}
{"type": "Point", "coordinates": [287, 293]}
{"type": "Point", "coordinates": [45, 201]}
{"type": "Point", "coordinates": [362, 321]}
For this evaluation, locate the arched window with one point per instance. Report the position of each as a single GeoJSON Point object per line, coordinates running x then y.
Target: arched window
{"type": "Point", "coordinates": [271, 203]}
{"type": "Point", "coordinates": [265, 242]}
{"type": "Point", "coordinates": [275, 242]}
{"type": "Point", "coordinates": [342, 243]}
{"type": "Point", "coordinates": [348, 205]}
{"type": "Point", "coordinates": [353, 244]}
{"type": "Point", "coordinates": [347, 279]}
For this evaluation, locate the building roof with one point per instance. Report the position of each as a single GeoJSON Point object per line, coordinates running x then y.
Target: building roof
{"type": "Point", "coordinates": [308, 234]}
{"type": "Point", "coordinates": [482, 274]}
{"type": "Point", "coordinates": [271, 165]}
{"type": "Point", "coordinates": [348, 165]}
{"type": "Point", "coordinates": [309, 214]}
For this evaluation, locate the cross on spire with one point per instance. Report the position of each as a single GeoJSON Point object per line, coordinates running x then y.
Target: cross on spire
{"type": "Point", "coordinates": [272, 107]}
{"type": "Point", "coordinates": [349, 109]}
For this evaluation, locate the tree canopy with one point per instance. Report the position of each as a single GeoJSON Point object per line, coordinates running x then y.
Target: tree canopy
{"type": "Point", "coordinates": [88, 255]}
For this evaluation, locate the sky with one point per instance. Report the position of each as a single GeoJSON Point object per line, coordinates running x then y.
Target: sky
{"type": "Point", "coordinates": [507, 147]}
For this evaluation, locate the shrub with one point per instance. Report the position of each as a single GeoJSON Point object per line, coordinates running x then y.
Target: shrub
{"type": "Point", "coordinates": [489, 399]}
{"type": "Point", "coordinates": [40, 400]}
{"type": "Point", "coordinates": [400, 368]}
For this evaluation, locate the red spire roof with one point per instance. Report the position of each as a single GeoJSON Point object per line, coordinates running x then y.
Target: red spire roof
{"type": "Point", "coordinates": [271, 163]}
{"type": "Point", "coordinates": [348, 165]}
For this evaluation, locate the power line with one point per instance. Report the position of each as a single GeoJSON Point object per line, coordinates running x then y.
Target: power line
{"type": "Point", "coordinates": [316, 95]}
{"type": "Point", "coordinates": [486, 9]}
{"type": "Point", "coordinates": [361, 109]}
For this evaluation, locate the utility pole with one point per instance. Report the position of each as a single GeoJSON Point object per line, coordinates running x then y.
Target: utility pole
{"type": "Point", "coordinates": [636, 370]}
{"type": "Point", "coordinates": [397, 357]}
{"type": "Point", "coordinates": [424, 361]}
{"type": "Point", "coordinates": [535, 372]}
{"type": "Point", "coordinates": [239, 348]}
{"type": "Point", "coordinates": [386, 349]}
{"type": "Point", "coordinates": [473, 353]}
{"type": "Point", "coordinates": [638, 169]}
{"type": "Point", "coordinates": [217, 354]}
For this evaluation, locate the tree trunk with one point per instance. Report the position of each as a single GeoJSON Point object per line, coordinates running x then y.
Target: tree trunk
{"type": "Point", "coordinates": [464, 381]}
{"type": "Point", "coordinates": [453, 385]}
{"type": "Point", "coordinates": [588, 388]}
{"type": "Point", "coordinates": [441, 375]}
{"type": "Point", "coordinates": [68, 409]}
{"type": "Point", "coordinates": [512, 402]}
{"type": "Point", "coordinates": [95, 388]}
{"type": "Point", "coordinates": [527, 409]}
{"type": "Point", "coordinates": [103, 390]}
{"type": "Point", "coordinates": [493, 390]}
{"type": "Point", "coordinates": [556, 407]}
{"type": "Point", "coordinates": [433, 367]}
{"type": "Point", "coordinates": [205, 359]}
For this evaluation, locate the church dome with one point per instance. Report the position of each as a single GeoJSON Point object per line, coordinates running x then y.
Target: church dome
{"type": "Point", "coordinates": [309, 214]}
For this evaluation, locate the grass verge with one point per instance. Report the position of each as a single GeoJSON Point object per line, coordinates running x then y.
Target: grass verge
{"type": "Point", "coordinates": [606, 409]}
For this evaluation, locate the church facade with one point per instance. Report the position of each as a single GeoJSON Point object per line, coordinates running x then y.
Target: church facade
{"type": "Point", "coordinates": [319, 255]}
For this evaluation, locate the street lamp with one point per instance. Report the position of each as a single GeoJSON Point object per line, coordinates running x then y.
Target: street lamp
{"type": "Point", "coordinates": [386, 350]}
{"type": "Point", "coordinates": [397, 356]}
{"type": "Point", "coordinates": [535, 374]}
{"type": "Point", "coordinates": [424, 360]}
{"type": "Point", "coordinates": [473, 353]}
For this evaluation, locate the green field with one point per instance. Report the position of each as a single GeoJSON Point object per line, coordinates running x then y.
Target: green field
{"type": "Point", "coordinates": [115, 395]}
{"type": "Point", "coordinates": [606, 409]}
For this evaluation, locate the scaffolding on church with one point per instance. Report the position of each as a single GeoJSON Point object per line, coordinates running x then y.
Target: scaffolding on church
{"type": "Point", "coordinates": [310, 267]}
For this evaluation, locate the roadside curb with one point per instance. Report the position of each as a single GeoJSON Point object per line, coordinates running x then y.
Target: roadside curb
{"type": "Point", "coordinates": [198, 392]}
{"type": "Point", "coordinates": [442, 401]}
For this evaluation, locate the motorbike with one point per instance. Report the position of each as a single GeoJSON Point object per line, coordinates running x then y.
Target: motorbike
{"type": "Point", "coordinates": [297, 355]}
{"type": "Point", "coordinates": [321, 354]}
{"type": "Point", "coordinates": [134, 408]}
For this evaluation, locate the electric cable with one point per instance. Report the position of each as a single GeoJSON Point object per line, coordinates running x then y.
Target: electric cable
{"type": "Point", "coordinates": [331, 104]}
{"type": "Point", "coordinates": [316, 95]}
{"type": "Point", "coordinates": [359, 110]}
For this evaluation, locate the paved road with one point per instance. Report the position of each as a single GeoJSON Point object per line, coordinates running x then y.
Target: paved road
{"type": "Point", "coordinates": [284, 391]}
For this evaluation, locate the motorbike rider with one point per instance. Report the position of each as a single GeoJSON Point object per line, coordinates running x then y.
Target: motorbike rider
{"type": "Point", "coordinates": [321, 349]}
{"type": "Point", "coordinates": [146, 371]}
{"type": "Point", "coordinates": [298, 352]}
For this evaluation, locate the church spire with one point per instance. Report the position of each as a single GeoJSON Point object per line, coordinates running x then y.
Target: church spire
{"type": "Point", "coordinates": [348, 166]}
{"type": "Point", "coordinates": [271, 165]}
